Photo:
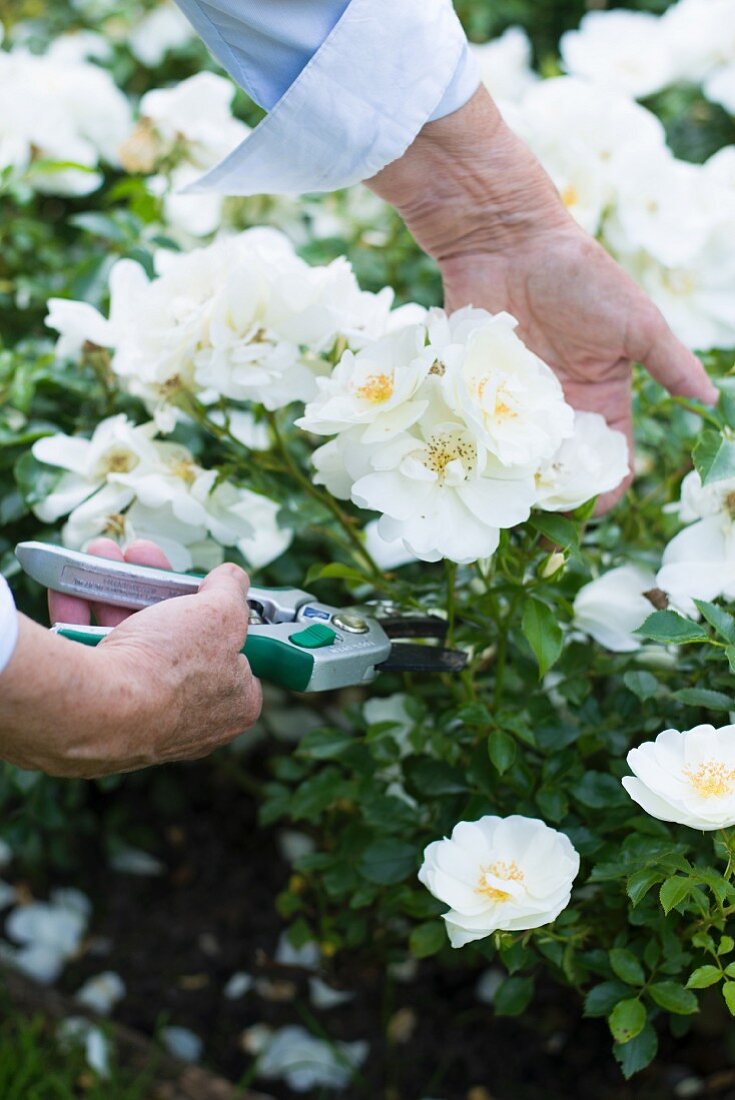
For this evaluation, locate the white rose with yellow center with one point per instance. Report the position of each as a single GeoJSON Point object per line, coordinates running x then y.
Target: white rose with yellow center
{"type": "Point", "coordinates": [377, 389]}
{"type": "Point", "coordinates": [686, 777]}
{"type": "Point", "coordinates": [507, 396]}
{"type": "Point", "coordinates": [500, 873]}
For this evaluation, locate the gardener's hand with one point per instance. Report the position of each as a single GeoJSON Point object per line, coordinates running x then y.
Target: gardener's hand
{"type": "Point", "coordinates": [479, 202]}
{"type": "Point", "coordinates": [168, 684]}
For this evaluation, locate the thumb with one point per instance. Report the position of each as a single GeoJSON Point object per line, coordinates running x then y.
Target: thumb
{"type": "Point", "coordinates": [225, 591]}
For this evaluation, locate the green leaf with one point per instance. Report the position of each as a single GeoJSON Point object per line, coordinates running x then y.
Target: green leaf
{"type": "Point", "coordinates": [626, 966]}
{"type": "Point", "coordinates": [427, 939]}
{"type": "Point", "coordinates": [726, 945]}
{"type": "Point", "coordinates": [674, 998]}
{"type": "Point", "coordinates": [386, 862]}
{"type": "Point", "coordinates": [640, 882]}
{"type": "Point", "coordinates": [674, 890]}
{"type": "Point", "coordinates": [335, 570]}
{"type": "Point", "coordinates": [714, 457]}
{"type": "Point", "coordinates": [642, 684]}
{"type": "Point", "coordinates": [723, 622]}
{"type": "Point", "coordinates": [636, 1054]}
{"type": "Point", "coordinates": [703, 977]}
{"type": "Point", "coordinates": [558, 529]}
{"type": "Point", "coordinates": [434, 778]}
{"type": "Point", "coordinates": [670, 628]}
{"type": "Point", "coordinates": [325, 744]}
{"type": "Point", "coordinates": [627, 1020]}
{"type": "Point", "coordinates": [730, 970]}
{"type": "Point", "coordinates": [601, 1000]}
{"type": "Point", "coordinates": [703, 697]}
{"type": "Point", "coordinates": [513, 996]}
{"type": "Point", "coordinates": [501, 748]}
{"type": "Point", "coordinates": [728, 992]}
{"type": "Point", "coordinates": [598, 790]}
{"type": "Point", "coordinates": [730, 654]}
{"type": "Point", "coordinates": [543, 634]}
{"type": "Point", "coordinates": [552, 802]}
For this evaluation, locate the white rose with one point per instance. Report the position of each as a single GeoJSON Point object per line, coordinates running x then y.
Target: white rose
{"type": "Point", "coordinates": [160, 31]}
{"type": "Point", "coordinates": [377, 389]}
{"type": "Point", "coordinates": [613, 606]}
{"type": "Point", "coordinates": [511, 401]}
{"type": "Point", "coordinates": [505, 64]}
{"type": "Point", "coordinates": [432, 490]}
{"type": "Point", "coordinates": [116, 449]}
{"type": "Point", "coordinates": [700, 35]}
{"type": "Point", "coordinates": [593, 461]}
{"type": "Point", "coordinates": [686, 777]}
{"type": "Point", "coordinates": [697, 501]}
{"type": "Point", "coordinates": [699, 563]}
{"type": "Point", "coordinates": [500, 873]}
{"type": "Point", "coordinates": [622, 50]}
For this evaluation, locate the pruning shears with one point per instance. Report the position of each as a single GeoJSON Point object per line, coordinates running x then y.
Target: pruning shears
{"type": "Point", "coordinates": [293, 640]}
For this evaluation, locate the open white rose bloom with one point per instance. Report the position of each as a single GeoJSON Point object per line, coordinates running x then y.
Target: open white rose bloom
{"type": "Point", "coordinates": [500, 874]}
{"type": "Point", "coordinates": [125, 484]}
{"type": "Point", "coordinates": [453, 430]}
{"type": "Point", "coordinates": [59, 109]}
{"type": "Point", "coordinates": [699, 562]}
{"type": "Point", "coordinates": [686, 777]}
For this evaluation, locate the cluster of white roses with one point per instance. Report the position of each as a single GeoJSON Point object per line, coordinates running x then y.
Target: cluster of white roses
{"type": "Point", "coordinates": [639, 54]}
{"type": "Point", "coordinates": [453, 430]}
{"type": "Point", "coordinates": [447, 426]}
{"type": "Point", "coordinates": [697, 564]}
{"type": "Point", "coordinates": [61, 116]}
{"type": "Point", "coordinates": [242, 319]}
{"type": "Point", "coordinates": [125, 484]}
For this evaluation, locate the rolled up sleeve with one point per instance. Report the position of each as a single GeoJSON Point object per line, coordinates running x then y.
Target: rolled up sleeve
{"type": "Point", "coordinates": [8, 624]}
{"type": "Point", "coordinates": [384, 69]}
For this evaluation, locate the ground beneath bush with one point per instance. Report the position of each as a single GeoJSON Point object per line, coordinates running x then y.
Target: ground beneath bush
{"type": "Point", "coordinates": [176, 939]}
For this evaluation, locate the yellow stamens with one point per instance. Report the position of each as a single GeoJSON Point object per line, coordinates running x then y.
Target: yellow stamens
{"type": "Point", "coordinates": [712, 779]}
{"type": "Point", "coordinates": [377, 388]}
{"type": "Point", "coordinates": [570, 195]}
{"type": "Point", "coordinates": [119, 462]}
{"type": "Point", "coordinates": [507, 872]}
{"type": "Point", "coordinates": [114, 525]}
{"type": "Point", "coordinates": [185, 469]}
{"type": "Point", "coordinates": [443, 449]}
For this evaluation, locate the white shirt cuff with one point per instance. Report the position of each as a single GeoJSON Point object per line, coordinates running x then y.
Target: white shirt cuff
{"type": "Point", "coordinates": [356, 106]}
{"type": "Point", "coordinates": [463, 85]}
{"type": "Point", "coordinates": [8, 624]}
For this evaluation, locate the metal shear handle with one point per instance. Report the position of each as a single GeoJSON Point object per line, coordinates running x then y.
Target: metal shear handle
{"type": "Point", "coordinates": [136, 586]}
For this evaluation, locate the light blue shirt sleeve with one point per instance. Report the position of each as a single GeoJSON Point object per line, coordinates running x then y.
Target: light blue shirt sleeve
{"type": "Point", "coordinates": [8, 624]}
{"type": "Point", "coordinates": [348, 84]}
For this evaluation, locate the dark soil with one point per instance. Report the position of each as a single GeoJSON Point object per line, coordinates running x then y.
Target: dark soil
{"type": "Point", "coordinates": [176, 940]}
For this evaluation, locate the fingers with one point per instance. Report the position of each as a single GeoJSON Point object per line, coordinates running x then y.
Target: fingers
{"type": "Point", "coordinates": [103, 613]}
{"type": "Point", "coordinates": [144, 552]}
{"type": "Point", "coordinates": [672, 364]}
{"type": "Point", "coordinates": [225, 593]}
{"type": "Point", "coordinates": [69, 609]}
{"type": "Point", "coordinates": [140, 552]}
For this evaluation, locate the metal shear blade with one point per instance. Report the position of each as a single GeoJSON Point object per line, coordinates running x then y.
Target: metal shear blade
{"type": "Point", "coordinates": [405, 657]}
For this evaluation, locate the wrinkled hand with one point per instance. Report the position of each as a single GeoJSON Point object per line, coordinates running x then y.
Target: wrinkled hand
{"type": "Point", "coordinates": [477, 201]}
{"type": "Point", "coordinates": [169, 683]}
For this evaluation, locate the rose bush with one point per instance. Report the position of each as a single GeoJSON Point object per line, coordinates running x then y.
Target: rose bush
{"type": "Point", "coordinates": [289, 394]}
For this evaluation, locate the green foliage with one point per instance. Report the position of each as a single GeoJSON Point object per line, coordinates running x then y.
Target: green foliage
{"type": "Point", "coordinates": [540, 722]}
{"type": "Point", "coordinates": [34, 1066]}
